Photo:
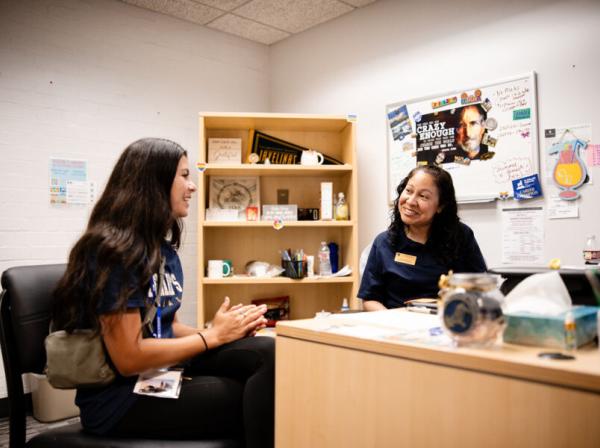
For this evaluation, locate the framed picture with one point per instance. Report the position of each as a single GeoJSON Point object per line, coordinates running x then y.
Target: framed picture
{"type": "Point", "coordinates": [234, 193]}
{"type": "Point", "coordinates": [225, 151]}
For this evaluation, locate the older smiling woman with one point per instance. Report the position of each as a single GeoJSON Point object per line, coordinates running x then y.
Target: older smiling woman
{"type": "Point", "coordinates": [424, 240]}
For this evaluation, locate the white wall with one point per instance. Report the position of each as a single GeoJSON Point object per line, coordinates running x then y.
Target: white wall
{"type": "Point", "coordinates": [84, 78]}
{"type": "Point", "coordinates": [392, 51]}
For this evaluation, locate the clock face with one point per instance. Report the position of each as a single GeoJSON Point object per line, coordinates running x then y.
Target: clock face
{"type": "Point", "coordinates": [234, 195]}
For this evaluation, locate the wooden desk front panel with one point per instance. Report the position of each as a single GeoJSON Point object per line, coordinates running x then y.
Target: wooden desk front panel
{"type": "Point", "coordinates": [337, 397]}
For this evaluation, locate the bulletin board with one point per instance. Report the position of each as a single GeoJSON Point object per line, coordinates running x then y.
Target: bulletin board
{"type": "Point", "coordinates": [484, 136]}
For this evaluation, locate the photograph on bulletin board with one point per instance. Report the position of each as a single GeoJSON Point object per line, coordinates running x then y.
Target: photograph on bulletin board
{"type": "Point", "coordinates": [484, 136]}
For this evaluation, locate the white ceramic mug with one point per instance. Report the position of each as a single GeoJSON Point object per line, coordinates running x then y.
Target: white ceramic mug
{"type": "Point", "coordinates": [218, 269]}
{"type": "Point", "coordinates": [311, 157]}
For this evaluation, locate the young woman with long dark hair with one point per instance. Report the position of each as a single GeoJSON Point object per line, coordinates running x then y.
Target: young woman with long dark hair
{"type": "Point", "coordinates": [112, 276]}
{"type": "Point", "coordinates": [424, 240]}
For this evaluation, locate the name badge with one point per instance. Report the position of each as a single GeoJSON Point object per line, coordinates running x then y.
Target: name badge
{"type": "Point", "coordinates": [405, 258]}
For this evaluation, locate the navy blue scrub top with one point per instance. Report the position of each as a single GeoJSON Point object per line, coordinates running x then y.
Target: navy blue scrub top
{"type": "Point", "coordinates": [410, 271]}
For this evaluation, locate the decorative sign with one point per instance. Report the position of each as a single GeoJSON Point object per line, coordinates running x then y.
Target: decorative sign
{"type": "Point", "coordinates": [485, 137]}
{"type": "Point", "coordinates": [280, 152]}
{"type": "Point", "coordinates": [234, 193]}
{"type": "Point", "coordinates": [569, 170]}
{"type": "Point", "coordinates": [224, 151]}
{"type": "Point", "coordinates": [68, 182]}
{"type": "Point", "coordinates": [527, 187]}
{"type": "Point", "coordinates": [285, 212]}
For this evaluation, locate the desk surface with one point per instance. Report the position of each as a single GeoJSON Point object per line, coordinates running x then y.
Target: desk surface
{"type": "Point", "coordinates": [377, 332]}
{"type": "Point", "coordinates": [362, 381]}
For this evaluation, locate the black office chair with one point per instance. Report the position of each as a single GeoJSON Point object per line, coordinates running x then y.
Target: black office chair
{"type": "Point", "coordinates": [25, 306]}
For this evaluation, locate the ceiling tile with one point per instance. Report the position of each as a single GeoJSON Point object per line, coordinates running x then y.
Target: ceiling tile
{"type": "Point", "coordinates": [359, 3]}
{"type": "Point", "coordinates": [224, 5]}
{"type": "Point", "coordinates": [293, 16]}
{"type": "Point", "coordinates": [183, 9]}
{"type": "Point", "coordinates": [248, 29]}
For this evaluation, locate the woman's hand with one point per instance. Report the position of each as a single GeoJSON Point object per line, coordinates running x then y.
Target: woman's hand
{"type": "Point", "coordinates": [238, 321]}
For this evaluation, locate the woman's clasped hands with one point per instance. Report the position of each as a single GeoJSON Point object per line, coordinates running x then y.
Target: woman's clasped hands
{"type": "Point", "coordinates": [238, 321]}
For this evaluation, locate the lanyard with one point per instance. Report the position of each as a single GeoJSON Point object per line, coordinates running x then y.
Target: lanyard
{"type": "Point", "coordinates": [150, 314]}
{"type": "Point", "coordinates": [158, 333]}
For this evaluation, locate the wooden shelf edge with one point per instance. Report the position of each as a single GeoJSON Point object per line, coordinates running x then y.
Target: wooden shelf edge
{"type": "Point", "coordinates": [276, 170]}
{"type": "Point", "coordinates": [269, 224]}
{"type": "Point", "coordinates": [276, 280]}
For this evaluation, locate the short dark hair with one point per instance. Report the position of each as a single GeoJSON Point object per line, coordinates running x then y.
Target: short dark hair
{"type": "Point", "coordinates": [444, 234]}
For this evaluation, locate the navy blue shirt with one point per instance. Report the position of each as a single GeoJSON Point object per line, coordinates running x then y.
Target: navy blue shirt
{"type": "Point", "coordinates": [101, 408]}
{"type": "Point", "coordinates": [410, 270]}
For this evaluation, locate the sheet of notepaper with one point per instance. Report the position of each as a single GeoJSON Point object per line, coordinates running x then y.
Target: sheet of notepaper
{"type": "Point", "coordinates": [402, 326]}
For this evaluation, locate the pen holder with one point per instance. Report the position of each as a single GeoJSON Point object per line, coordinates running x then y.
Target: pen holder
{"type": "Point", "coordinates": [294, 268]}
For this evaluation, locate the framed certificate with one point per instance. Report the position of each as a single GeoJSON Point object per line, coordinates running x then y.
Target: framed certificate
{"type": "Point", "coordinates": [234, 193]}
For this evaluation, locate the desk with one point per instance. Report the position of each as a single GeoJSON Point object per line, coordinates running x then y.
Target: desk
{"type": "Point", "coordinates": [339, 390]}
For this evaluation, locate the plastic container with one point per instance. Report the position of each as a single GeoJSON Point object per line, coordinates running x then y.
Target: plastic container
{"type": "Point", "coordinates": [471, 310]}
{"type": "Point", "coordinates": [591, 250]}
{"type": "Point", "coordinates": [294, 268]}
{"type": "Point", "coordinates": [324, 260]}
{"type": "Point", "coordinates": [50, 404]}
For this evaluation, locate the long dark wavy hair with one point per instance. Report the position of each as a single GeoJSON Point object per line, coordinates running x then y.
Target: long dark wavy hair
{"type": "Point", "coordinates": [445, 236]}
{"type": "Point", "coordinates": [124, 234]}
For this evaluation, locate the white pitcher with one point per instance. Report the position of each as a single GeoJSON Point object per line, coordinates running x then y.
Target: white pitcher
{"type": "Point", "coordinates": [311, 157]}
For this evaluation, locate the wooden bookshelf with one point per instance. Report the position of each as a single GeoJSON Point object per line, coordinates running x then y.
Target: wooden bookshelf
{"type": "Point", "coordinates": [244, 241]}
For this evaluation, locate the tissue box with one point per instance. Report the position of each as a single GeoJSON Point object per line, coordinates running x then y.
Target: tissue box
{"type": "Point", "coordinates": [548, 331]}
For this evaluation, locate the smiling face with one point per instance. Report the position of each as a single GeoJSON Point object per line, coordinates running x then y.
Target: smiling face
{"type": "Point", "coordinates": [182, 189]}
{"type": "Point", "coordinates": [419, 201]}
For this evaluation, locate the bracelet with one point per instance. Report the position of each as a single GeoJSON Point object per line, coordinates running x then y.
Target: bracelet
{"type": "Point", "coordinates": [203, 340]}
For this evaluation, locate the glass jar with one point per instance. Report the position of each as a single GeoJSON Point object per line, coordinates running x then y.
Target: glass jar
{"type": "Point", "coordinates": [471, 310]}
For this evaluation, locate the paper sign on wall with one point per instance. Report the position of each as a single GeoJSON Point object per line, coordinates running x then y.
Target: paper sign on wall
{"type": "Point", "coordinates": [63, 171]}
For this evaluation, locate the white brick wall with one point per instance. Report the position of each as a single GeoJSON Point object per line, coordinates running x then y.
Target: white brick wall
{"type": "Point", "coordinates": [84, 78]}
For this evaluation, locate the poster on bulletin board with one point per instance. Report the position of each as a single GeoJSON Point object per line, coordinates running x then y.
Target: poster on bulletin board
{"type": "Point", "coordinates": [484, 136]}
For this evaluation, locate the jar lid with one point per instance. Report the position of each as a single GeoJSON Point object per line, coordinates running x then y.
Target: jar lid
{"type": "Point", "coordinates": [470, 280]}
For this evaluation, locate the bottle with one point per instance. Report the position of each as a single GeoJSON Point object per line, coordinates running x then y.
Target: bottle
{"type": "Point", "coordinates": [333, 257]}
{"type": "Point", "coordinates": [345, 307]}
{"type": "Point", "coordinates": [324, 261]}
{"type": "Point", "coordinates": [341, 208]}
{"type": "Point", "coordinates": [570, 332]}
{"type": "Point", "coordinates": [591, 250]}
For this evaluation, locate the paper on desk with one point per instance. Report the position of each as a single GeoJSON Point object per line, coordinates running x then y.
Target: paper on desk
{"type": "Point", "coordinates": [401, 326]}
{"type": "Point", "coordinates": [360, 331]}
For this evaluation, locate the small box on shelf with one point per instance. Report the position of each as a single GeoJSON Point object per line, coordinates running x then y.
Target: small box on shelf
{"type": "Point", "coordinates": [326, 201]}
